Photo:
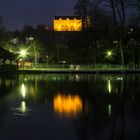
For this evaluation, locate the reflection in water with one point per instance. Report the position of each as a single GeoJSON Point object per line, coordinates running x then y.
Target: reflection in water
{"type": "Point", "coordinates": [23, 90]}
{"type": "Point", "coordinates": [105, 106]}
{"type": "Point", "coordinates": [109, 86]}
{"type": "Point", "coordinates": [7, 82]}
{"type": "Point", "coordinates": [109, 110]}
{"type": "Point", "coordinates": [77, 77]}
{"type": "Point", "coordinates": [22, 110]}
{"type": "Point", "coordinates": [120, 78]}
{"type": "Point", "coordinates": [70, 105]}
{"type": "Point", "coordinates": [23, 107]}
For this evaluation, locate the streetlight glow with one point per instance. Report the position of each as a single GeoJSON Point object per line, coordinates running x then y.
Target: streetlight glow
{"type": "Point", "coordinates": [23, 53]}
{"type": "Point", "coordinates": [109, 53]}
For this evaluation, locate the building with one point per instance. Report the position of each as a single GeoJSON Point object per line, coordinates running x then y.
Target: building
{"type": "Point", "coordinates": [67, 23]}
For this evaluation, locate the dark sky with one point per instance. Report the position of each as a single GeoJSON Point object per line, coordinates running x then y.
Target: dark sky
{"type": "Point", "coordinates": [17, 13]}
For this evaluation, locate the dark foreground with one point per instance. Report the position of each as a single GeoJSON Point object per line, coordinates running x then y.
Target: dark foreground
{"type": "Point", "coordinates": [69, 107]}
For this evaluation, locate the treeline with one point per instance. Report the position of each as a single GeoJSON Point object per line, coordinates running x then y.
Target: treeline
{"type": "Point", "coordinates": [111, 36]}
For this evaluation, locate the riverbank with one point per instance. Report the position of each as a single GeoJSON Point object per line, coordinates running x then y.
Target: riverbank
{"type": "Point", "coordinates": [96, 71]}
{"type": "Point", "coordinates": [66, 70]}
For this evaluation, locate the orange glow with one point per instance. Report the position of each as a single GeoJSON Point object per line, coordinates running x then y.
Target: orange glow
{"type": "Point", "coordinates": [25, 64]}
{"type": "Point", "coordinates": [67, 24]}
{"type": "Point", "coordinates": [67, 104]}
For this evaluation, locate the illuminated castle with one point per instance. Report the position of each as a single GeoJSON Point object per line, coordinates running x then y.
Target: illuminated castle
{"type": "Point", "coordinates": [67, 23]}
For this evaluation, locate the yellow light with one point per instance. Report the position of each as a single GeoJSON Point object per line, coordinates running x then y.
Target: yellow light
{"type": "Point", "coordinates": [23, 53]}
{"type": "Point", "coordinates": [23, 107]}
{"type": "Point", "coordinates": [23, 91]}
{"type": "Point", "coordinates": [109, 53]}
{"type": "Point", "coordinates": [109, 86]}
{"type": "Point", "coordinates": [67, 104]}
{"type": "Point", "coordinates": [68, 24]}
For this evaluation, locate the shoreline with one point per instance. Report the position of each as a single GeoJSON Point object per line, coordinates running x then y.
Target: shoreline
{"type": "Point", "coordinates": [97, 71]}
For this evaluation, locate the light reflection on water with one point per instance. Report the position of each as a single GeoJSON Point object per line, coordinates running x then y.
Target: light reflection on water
{"type": "Point", "coordinates": [69, 105]}
{"type": "Point", "coordinates": [21, 110]}
{"type": "Point", "coordinates": [72, 107]}
{"type": "Point", "coordinates": [23, 90]}
{"type": "Point", "coordinates": [23, 107]}
{"type": "Point", "coordinates": [109, 86]}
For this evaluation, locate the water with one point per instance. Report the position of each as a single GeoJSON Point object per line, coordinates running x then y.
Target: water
{"type": "Point", "coordinates": [70, 107]}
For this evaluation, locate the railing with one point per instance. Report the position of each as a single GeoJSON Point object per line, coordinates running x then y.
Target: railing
{"type": "Point", "coordinates": [41, 66]}
{"type": "Point", "coordinates": [66, 67]}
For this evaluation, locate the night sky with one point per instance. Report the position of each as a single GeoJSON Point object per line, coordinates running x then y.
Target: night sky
{"type": "Point", "coordinates": [17, 13]}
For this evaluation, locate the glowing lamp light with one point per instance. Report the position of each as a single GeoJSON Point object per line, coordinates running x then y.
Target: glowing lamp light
{"type": "Point", "coordinates": [23, 53]}
{"type": "Point", "coordinates": [109, 53]}
{"type": "Point", "coordinates": [69, 105]}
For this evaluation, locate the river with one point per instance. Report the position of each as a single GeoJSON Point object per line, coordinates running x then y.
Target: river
{"type": "Point", "coordinates": [69, 107]}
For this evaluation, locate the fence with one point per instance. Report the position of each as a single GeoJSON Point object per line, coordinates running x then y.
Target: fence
{"type": "Point", "coordinates": [41, 66]}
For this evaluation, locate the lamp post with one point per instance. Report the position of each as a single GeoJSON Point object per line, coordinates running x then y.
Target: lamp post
{"type": "Point", "coordinates": [109, 53]}
{"type": "Point", "coordinates": [23, 54]}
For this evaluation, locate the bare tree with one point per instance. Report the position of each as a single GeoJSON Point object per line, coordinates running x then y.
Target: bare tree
{"type": "Point", "coordinates": [137, 4]}
{"type": "Point", "coordinates": [35, 50]}
{"type": "Point", "coordinates": [118, 8]}
{"type": "Point", "coordinates": [3, 33]}
{"type": "Point", "coordinates": [82, 9]}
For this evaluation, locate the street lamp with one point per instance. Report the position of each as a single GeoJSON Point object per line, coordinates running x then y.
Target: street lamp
{"type": "Point", "coordinates": [23, 53]}
{"type": "Point", "coordinates": [109, 53]}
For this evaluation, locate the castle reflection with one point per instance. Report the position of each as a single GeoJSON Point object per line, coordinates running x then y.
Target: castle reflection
{"type": "Point", "coordinates": [87, 106]}
{"type": "Point", "coordinates": [70, 105]}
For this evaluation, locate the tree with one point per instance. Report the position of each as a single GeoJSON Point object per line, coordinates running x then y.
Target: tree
{"type": "Point", "coordinates": [28, 31]}
{"type": "Point", "coordinates": [82, 9]}
{"type": "Point", "coordinates": [35, 49]}
{"type": "Point", "coordinates": [136, 3]}
{"type": "Point", "coordinates": [118, 8]}
{"type": "Point", "coordinates": [3, 33]}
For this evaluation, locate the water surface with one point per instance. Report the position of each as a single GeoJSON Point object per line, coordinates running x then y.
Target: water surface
{"type": "Point", "coordinates": [70, 107]}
